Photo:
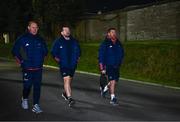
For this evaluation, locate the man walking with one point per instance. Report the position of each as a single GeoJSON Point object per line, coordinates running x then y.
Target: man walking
{"type": "Point", "coordinates": [29, 51]}
{"type": "Point", "coordinates": [66, 52]}
{"type": "Point", "coordinates": [110, 57]}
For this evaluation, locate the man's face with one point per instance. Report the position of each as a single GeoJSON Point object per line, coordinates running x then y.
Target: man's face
{"type": "Point", "coordinates": [66, 32]}
{"type": "Point", "coordinates": [112, 34]}
{"type": "Point", "coordinates": [33, 28]}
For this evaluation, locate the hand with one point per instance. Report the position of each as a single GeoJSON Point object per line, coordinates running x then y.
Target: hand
{"type": "Point", "coordinates": [103, 71]}
{"type": "Point", "coordinates": [57, 59]}
{"type": "Point", "coordinates": [78, 60]}
{"type": "Point", "coordinates": [19, 62]}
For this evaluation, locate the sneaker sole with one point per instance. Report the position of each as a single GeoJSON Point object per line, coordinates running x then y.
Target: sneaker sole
{"type": "Point", "coordinates": [25, 108]}
{"type": "Point", "coordinates": [72, 104]}
{"type": "Point", "coordinates": [114, 104]}
{"type": "Point", "coordinates": [36, 111]}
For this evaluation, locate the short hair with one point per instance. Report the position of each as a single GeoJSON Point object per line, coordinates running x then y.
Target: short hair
{"type": "Point", "coordinates": [110, 29]}
{"type": "Point", "coordinates": [64, 25]}
{"type": "Point", "coordinates": [33, 21]}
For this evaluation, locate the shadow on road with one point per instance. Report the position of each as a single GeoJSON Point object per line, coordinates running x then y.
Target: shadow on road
{"type": "Point", "coordinates": [53, 85]}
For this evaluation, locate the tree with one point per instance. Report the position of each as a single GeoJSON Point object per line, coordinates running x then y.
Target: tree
{"type": "Point", "coordinates": [56, 12]}
{"type": "Point", "coordinates": [14, 15]}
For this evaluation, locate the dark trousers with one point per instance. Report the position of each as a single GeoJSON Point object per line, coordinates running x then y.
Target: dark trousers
{"type": "Point", "coordinates": [32, 78]}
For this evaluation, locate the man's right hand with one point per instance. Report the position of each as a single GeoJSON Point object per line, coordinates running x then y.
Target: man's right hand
{"type": "Point", "coordinates": [18, 61]}
{"type": "Point", "coordinates": [103, 71]}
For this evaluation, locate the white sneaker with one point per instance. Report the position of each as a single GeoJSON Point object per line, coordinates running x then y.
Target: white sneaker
{"type": "Point", "coordinates": [36, 109]}
{"type": "Point", "coordinates": [24, 103]}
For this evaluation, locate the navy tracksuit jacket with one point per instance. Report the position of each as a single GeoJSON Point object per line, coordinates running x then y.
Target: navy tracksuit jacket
{"type": "Point", "coordinates": [68, 51]}
{"type": "Point", "coordinates": [110, 58]}
{"type": "Point", "coordinates": [110, 54]}
{"type": "Point", "coordinates": [30, 50]}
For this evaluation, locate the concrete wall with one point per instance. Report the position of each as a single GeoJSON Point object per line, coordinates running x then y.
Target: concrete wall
{"type": "Point", "coordinates": [153, 22]}
{"type": "Point", "coordinates": [94, 27]}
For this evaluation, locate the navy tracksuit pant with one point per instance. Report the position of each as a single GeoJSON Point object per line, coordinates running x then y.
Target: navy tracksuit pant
{"type": "Point", "coordinates": [32, 78]}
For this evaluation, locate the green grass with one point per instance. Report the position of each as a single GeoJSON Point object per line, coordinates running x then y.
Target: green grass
{"type": "Point", "coordinates": [149, 61]}
{"type": "Point", "coordinates": [153, 62]}
{"type": "Point", "coordinates": [5, 50]}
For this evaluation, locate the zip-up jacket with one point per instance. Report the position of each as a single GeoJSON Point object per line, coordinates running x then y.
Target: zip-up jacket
{"type": "Point", "coordinates": [30, 51]}
{"type": "Point", "coordinates": [67, 51]}
{"type": "Point", "coordinates": [110, 54]}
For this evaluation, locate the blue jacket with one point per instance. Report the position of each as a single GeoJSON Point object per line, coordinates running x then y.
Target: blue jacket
{"type": "Point", "coordinates": [68, 51]}
{"type": "Point", "coordinates": [110, 54]}
{"type": "Point", "coordinates": [30, 51]}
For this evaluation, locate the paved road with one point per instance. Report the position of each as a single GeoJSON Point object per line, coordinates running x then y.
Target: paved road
{"type": "Point", "coordinates": [137, 101]}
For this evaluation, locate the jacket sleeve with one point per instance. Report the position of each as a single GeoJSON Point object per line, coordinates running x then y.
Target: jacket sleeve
{"type": "Point", "coordinates": [16, 51]}
{"type": "Point", "coordinates": [54, 49]}
{"type": "Point", "coordinates": [101, 56]}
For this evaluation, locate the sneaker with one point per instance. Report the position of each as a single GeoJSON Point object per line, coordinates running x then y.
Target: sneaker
{"type": "Point", "coordinates": [64, 96]}
{"type": "Point", "coordinates": [71, 102]}
{"type": "Point", "coordinates": [36, 109]}
{"type": "Point", "coordinates": [114, 101]}
{"type": "Point", "coordinates": [24, 103]}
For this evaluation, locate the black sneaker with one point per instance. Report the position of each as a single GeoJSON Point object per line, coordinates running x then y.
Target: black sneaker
{"type": "Point", "coordinates": [71, 102]}
{"type": "Point", "coordinates": [64, 96]}
{"type": "Point", "coordinates": [114, 102]}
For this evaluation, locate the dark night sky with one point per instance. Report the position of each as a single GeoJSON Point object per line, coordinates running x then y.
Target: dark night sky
{"type": "Point", "coordinates": [108, 5]}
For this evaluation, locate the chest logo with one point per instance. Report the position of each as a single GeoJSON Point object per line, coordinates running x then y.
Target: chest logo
{"type": "Point", "coordinates": [110, 46]}
{"type": "Point", "coordinates": [61, 47]}
{"type": "Point", "coordinates": [27, 45]}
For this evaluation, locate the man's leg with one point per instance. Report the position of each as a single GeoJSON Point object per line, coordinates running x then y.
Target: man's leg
{"type": "Point", "coordinates": [37, 78]}
{"type": "Point", "coordinates": [67, 89]}
{"type": "Point", "coordinates": [67, 85]}
{"type": "Point", "coordinates": [27, 84]}
{"type": "Point", "coordinates": [67, 77]}
{"type": "Point", "coordinates": [112, 88]}
{"type": "Point", "coordinates": [113, 76]}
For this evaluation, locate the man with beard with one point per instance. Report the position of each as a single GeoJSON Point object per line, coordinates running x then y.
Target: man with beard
{"type": "Point", "coordinates": [110, 57]}
{"type": "Point", "coordinates": [66, 52]}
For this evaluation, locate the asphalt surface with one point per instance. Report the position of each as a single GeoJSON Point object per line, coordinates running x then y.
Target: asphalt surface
{"type": "Point", "coordinates": [136, 101]}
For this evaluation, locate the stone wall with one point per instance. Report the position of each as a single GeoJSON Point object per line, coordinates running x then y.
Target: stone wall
{"type": "Point", "coordinates": [152, 22]}
{"type": "Point", "coordinates": [157, 22]}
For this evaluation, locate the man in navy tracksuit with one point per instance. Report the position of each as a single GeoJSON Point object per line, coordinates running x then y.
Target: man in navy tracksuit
{"type": "Point", "coordinates": [29, 51]}
{"type": "Point", "coordinates": [110, 57]}
{"type": "Point", "coordinates": [66, 52]}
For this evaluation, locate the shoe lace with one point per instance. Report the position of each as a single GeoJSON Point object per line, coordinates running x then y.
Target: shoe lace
{"type": "Point", "coordinates": [37, 107]}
